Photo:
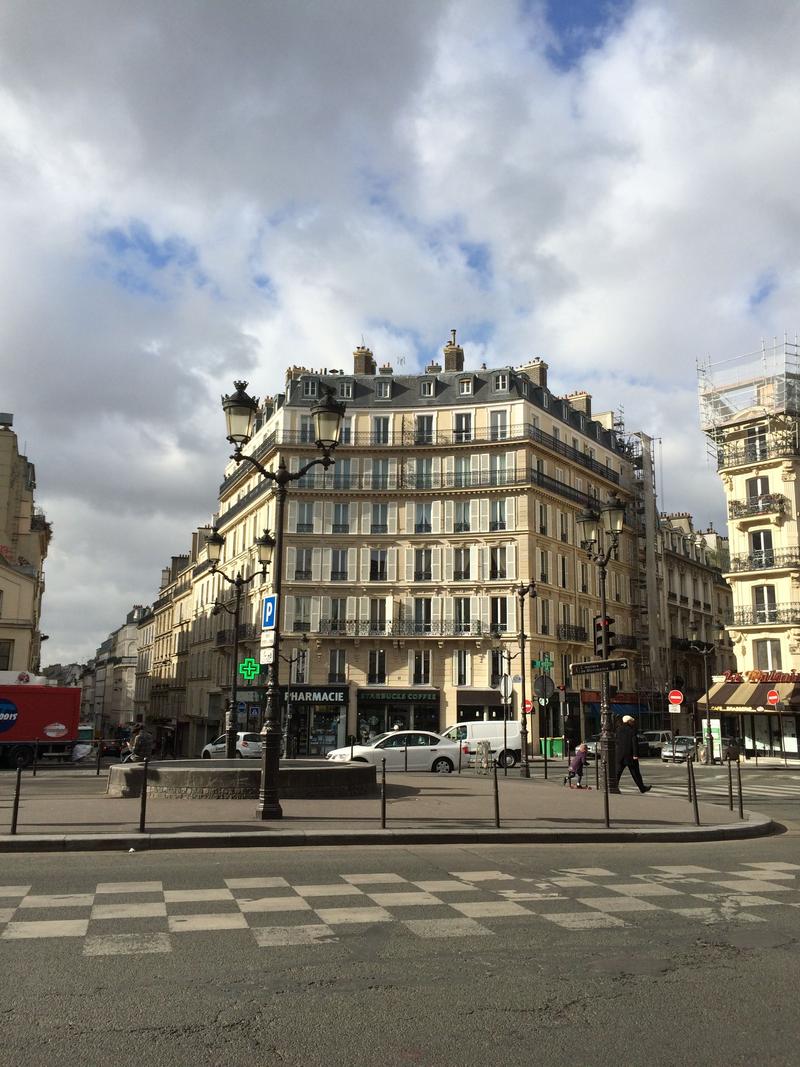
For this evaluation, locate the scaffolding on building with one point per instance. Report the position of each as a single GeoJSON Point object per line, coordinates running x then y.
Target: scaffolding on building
{"type": "Point", "coordinates": [759, 385]}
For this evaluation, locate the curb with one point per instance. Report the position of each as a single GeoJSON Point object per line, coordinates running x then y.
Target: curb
{"type": "Point", "coordinates": [755, 826]}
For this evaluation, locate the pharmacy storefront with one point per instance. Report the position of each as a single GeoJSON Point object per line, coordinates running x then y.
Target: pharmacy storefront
{"type": "Point", "coordinates": [316, 717]}
{"type": "Point", "coordinates": [379, 710]}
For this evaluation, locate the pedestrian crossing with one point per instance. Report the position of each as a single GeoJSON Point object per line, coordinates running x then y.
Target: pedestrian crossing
{"type": "Point", "coordinates": [270, 912]}
{"type": "Point", "coordinates": [715, 787]}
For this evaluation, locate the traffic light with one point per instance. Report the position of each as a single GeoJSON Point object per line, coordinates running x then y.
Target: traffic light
{"type": "Point", "coordinates": [602, 625]}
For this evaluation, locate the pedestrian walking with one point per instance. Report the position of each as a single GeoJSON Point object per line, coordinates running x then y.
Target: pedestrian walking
{"type": "Point", "coordinates": [141, 743]}
{"type": "Point", "coordinates": [576, 766]}
{"type": "Point", "coordinates": [627, 751]}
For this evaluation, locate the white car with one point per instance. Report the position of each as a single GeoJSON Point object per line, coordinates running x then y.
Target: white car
{"type": "Point", "coordinates": [248, 746]}
{"type": "Point", "coordinates": [420, 750]}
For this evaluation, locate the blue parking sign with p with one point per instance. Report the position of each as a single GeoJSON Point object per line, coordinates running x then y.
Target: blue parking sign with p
{"type": "Point", "coordinates": [268, 619]}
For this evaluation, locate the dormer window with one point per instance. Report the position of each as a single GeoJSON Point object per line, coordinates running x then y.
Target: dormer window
{"type": "Point", "coordinates": [545, 400]}
{"type": "Point", "coordinates": [465, 387]}
{"type": "Point", "coordinates": [500, 383]}
{"type": "Point", "coordinates": [346, 390]}
{"type": "Point", "coordinates": [310, 387]}
{"type": "Point", "coordinates": [426, 387]}
{"type": "Point", "coordinates": [383, 390]}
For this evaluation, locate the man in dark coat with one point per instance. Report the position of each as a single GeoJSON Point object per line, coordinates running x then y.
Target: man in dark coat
{"type": "Point", "coordinates": [627, 751]}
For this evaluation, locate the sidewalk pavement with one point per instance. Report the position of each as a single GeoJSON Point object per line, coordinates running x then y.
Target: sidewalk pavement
{"type": "Point", "coordinates": [59, 811]}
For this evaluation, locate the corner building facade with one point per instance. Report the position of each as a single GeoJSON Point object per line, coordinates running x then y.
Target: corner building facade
{"type": "Point", "coordinates": [401, 561]}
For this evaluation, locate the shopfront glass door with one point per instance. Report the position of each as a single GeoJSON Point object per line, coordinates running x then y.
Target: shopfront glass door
{"type": "Point", "coordinates": [324, 731]}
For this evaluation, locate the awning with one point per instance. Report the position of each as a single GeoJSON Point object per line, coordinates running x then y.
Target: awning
{"type": "Point", "coordinates": [470, 697]}
{"type": "Point", "coordinates": [749, 697]}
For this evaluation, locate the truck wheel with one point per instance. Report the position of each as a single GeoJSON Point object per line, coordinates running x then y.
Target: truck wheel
{"type": "Point", "coordinates": [21, 756]}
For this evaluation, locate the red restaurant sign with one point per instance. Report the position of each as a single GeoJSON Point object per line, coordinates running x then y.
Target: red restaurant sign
{"type": "Point", "coordinates": [755, 677]}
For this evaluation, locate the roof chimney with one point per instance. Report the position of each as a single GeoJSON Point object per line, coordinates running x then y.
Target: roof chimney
{"type": "Point", "coordinates": [363, 361]}
{"type": "Point", "coordinates": [536, 371]}
{"type": "Point", "coordinates": [386, 369]}
{"type": "Point", "coordinates": [453, 354]}
{"type": "Point", "coordinates": [580, 401]}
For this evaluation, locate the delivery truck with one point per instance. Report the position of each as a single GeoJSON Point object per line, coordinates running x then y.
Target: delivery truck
{"type": "Point", "coordinates": [33, 714]}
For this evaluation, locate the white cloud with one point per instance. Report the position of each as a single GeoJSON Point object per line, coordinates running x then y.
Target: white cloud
{"type": "Point", "coordinates": [334, 168]}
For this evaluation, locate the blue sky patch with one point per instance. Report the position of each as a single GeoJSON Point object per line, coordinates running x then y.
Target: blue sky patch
{"type": "Point", "coordinates": [765, 286]}
{"type": "Point", "coordinates": [137, 261]}
{"type": "Point", "coordinates": [580, 26]}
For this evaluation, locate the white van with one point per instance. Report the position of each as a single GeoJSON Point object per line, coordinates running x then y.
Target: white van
{"type": "Point", "coordinates": [506, 754]}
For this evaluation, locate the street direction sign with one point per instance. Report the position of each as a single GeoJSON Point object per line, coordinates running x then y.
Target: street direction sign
{"type": "Point", "coordinates": [506, 687]}
{"type": "Point", "coordinates": [773, 697]}
{"type": "Point", "coordinates": [268, 617]}
{"type": "Point", "coordinates": [599, 668]}
{"type": "Point", "coordinates": [543, 686]}
{"type": "Point", "coordinates": [675, 696]}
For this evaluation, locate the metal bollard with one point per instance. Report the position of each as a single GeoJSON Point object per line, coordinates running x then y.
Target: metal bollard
{"type": "Point", "coordinates": [730, 784]}
{"type": "Point", "coordinates": [383, 794]}
{"type": "Point", "coordinates": [15, 809]}
{"type": "Point", "coordinates": [405, 757]}
{"type": "Point", "coordinates": [460, 747]}
{"type": "Point", "coordinates": [596, 769]}
{"type": "Point", "coordinates": [143, 806]}
{"type": "Point", "coordinates": [496, 797]}
{"type": "Point", "coordinates": [695, 808]}
{"type": "Point", "coordinates": [352, 745]}
{"type": "Point", "coordinates": [739, 781]}
{"type": "Point", "coordinates": [545, 758]}
{"type": "Point", "coordinates": [689, 781]}
{"type": "Point", "coordinates": [35, 757]}
{"type": "Point", "coordinates": [99, 750]}
{"type": "Point", "coordinates": [606, 812]}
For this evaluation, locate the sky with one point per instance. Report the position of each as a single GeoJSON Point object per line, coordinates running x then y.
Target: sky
{"type": "Point", "coordinates": [194, 192]}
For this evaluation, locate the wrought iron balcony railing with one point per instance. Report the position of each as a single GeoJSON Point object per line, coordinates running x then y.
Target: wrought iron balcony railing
{"type": "Point", "coordinates": [247, 632]}
{"type": "Point", "coordinates": [405, 628]}
{"type": "Point", "coordinates": [767, 559]}
{"type": "Point", "coordinates": [767, 504]}
{"type": "Point", "coordinates": [777, 613]}
{"type": "Point", "coordinates": [773, 447]}
{"type": "Point", "coordinates": [571, 633]}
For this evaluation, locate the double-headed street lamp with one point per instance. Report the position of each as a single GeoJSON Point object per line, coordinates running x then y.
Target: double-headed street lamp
{"type": "Point", "coordinates": [240, 414]}
{"type": "Point", "coordinates": [214, 545]}
{"type": "Point", "coordinates": [522, 592]}
{"type": "Point", "coordinates": [597, 529]}
{"type": "Point", "coordinates": [705, 650]}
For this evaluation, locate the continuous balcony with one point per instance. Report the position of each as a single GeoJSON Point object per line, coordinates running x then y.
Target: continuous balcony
{"type": "Point", "coordinates": [401, 628]}
{"type": "Point", "coordinates": [746, 453]}
{"type": "Point", "coordinates": [768, 559]}
{"type": "Point", "coordinates": [575, 634]}
{"type": "Point", "coordinates": [768, 504]}
{"type": "Point", "coordinates": [778, 614]}
{"type": "Point", "coordinates": [247, 632]}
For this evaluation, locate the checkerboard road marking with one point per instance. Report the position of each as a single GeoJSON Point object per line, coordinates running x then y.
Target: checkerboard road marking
{"type": "Point", "coordinates": [126, 944]}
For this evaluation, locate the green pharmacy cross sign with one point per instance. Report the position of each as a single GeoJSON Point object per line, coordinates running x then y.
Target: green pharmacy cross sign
{"type": "Point", "coordinates": [249, 668]}
{"type": "Point", "coordinates": [545, 664]}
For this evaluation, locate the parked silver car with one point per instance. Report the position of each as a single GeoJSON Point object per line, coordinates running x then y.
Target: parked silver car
{"type": "Point", "coordinates": [678, 750]}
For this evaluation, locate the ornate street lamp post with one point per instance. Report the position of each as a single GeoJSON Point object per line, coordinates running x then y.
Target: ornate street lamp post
{"type": "Point", "coordinates": [705, 650]}
{"type": "Point", "coordinates": [522, 592]}
{"type": "Point", "coordinates": [598, 529]}
{"type": "Point", "coordinates": [214, 544]}
{"type": "Point", "coordinates": [240, 412]}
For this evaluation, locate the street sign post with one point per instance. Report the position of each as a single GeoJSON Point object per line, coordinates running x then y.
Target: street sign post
{"type": "Point", "coordinates": [599, 668]}
{"type": "Point", "coordinates": [773, 697]}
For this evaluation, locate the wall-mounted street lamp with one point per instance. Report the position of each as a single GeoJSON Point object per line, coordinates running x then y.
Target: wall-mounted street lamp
{"type": "Point", "coordinates": [240, 413]}
{"type": "Point", "coordinates": [599, 529]}
{"type": "Point", "coordinates": [705, 650]}
{"type": "Point", "coordinates": [214, 545]}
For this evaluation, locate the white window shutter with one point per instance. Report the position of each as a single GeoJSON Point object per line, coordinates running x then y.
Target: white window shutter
{"type": "Point", "coordinates": [391, 565]}
{"type": "Point", "coordinates": [448, 613]}
{"type": "Point", "coordinates": [316, 564]}
{"type": "Point", "coordinates": [511, 465]}
{"type": "Point", "coordinates": [511, 607]}
{"type": "Point", "coordinates": [366, 477]}
{"type": "Point", "coordinates": [325, 607]}
{"type": "Point", "coordinates": [410, 666]}
{"type": "Point", "coordinates": [326, 565]}
{"type": "Point", "coordinates": [392, 474]}
{"type": "Point", "coordinates": [288, 613]}
{"type": "Point", "coordinates": [474, 611]}
{"type": "Point", "coordinates": [448, 516]}
{"type": "Point", "coordinates": [436, 613]}
{"type": "Point", "coordinates": [389, 614]}
{"type": "Point", "coordinates": [449, 471]}
{"type": "Point", "coordinates": [315, 606]}
{"type": "Point", "coordinates": [454, 659]}
{"type": "Point", "coordinates": [483, 563]}
{"type": "Point", "coordinates": [291, 562]}
{"type": "Point", "coordinates": [436, 564]}
{"type": "Point", "coordinates": [511, 513]}
{"type": "Point", "coordinates": [411, 471]}
{"type": "Point", "coordinates": [327, 516]}
{"type": "Point", "coordinates": [292, 515]}
{"type": "Point", "coordinates": [475, 468]}
{"type": "Point", "coordinates": [364, 575]}
{"type": "Point", "coordinates": [485, 468]}
{"type": "Point", "coordinates": [363, 608]}
{"type": "Point", "coordinates": [366, 517]}
{"type": "Point", "coordinates": [474, 564]}
{"type": "Point", "coordinates": [511, 560]}
{"type": "Point", "coordinates": [485, 616]}
{"type": "Point", "coordinates": [392, 516]}
{"type": "Point", "coordinates": [408, 609]}
{"type": "Point", "coordinates": [409, 516]}
{"type": "Point", "coordinates": [474, 515]}
{"type": "Point", "coordinates": [350, 609]}
{"type": "Point", "coordinates": [448, 563]}
{"type": "Point", "coordinates": [436, 516]}
{"type": "Point", "coordinates": [409, 563]}
{"type": "Point", "coordinates": [352, 564]}
{"type": "Point", "coordinates": [484, 523]}
{"type": "Point", "coordinates": [437, 472]}
{"type": "Point", "coordinates": [318, 517]}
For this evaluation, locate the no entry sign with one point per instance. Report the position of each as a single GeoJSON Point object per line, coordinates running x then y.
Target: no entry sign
{"type": "Point", "coordinates": [675, 696]}
{"type": "Point", "coordinates": [528, 706]}
{"type": "Point", "coordinates": [773, 697]}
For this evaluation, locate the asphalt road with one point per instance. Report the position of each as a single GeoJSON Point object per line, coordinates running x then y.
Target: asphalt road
{"type": "Point", "coordinates": [623, 954]}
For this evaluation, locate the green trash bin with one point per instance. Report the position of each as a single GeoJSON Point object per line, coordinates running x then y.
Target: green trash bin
{"type": "Point", "coordinates": [554, 746]}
